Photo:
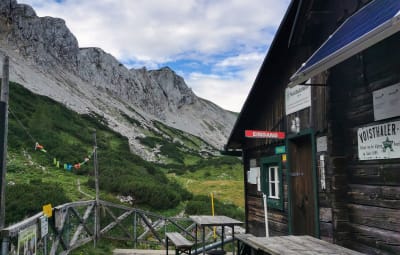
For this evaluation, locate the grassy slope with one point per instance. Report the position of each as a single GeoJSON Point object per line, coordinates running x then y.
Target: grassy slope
{"type": "Point", "coordinates": [201, 176]}
{"type": "Point", "coordinates": [224, 181]}
{"type": "Point", "coordinates": [69, 137]}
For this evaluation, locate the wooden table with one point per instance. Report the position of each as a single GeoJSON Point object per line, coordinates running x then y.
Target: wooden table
{"type": "Point", "coordinates": [292, 245]}
{"type": "Point", "coordinates": [204, 221]}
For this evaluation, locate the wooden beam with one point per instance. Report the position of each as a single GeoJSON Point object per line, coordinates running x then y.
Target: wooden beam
{"type": "Point", "coordinates": [117, 221]}
{"type": "Point", "coordinates": [150, 226]}
{"type": "Point", "coordinates": [182, 228]}
{"type": "Point", "coordinates": [82, 225]}
{"type": "Point", "coordinates": [3, 139]}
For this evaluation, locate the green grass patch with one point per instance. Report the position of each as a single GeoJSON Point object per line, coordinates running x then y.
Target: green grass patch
{"type": "Point", "coordinates": [223, 176]}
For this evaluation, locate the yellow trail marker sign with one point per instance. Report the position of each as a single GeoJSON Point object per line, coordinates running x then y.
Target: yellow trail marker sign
{"type": "Point", "coordinates": [48, 210]}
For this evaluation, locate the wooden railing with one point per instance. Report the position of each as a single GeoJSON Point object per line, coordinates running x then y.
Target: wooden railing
{"type": "Point", "coordinates": [75, 224]}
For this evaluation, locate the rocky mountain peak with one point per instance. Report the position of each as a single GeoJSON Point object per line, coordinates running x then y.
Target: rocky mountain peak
{"type": "Point", "coordinates": [173, 86]}
{"type": "Point", "coordinates": [46, 58]}
{"type": "Point", "coordinates": [47, 41]}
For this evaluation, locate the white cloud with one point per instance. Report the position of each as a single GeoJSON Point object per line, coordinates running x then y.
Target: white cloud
{"type": "Point", "coordinates": [153, 32]}
{"type": "Point", "coordinates": [227, 93]}
{"type": "Point", "coordinates": [159, 29]}
{"type": "Point", "coordinates": [242, 60]}
{"type": "Point", "coordinates": [228, 89]}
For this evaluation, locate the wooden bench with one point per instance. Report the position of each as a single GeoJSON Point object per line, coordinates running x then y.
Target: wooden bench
{"type": "Point", "coordinates": [182, 245]}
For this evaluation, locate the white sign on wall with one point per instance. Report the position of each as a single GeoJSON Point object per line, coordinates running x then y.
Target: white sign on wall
{"type": "Point", "coordinates": [381, 141]}
{"type": "Point", "coordinates": [322, 143]}
{"type": "Point", "coordinates": [253, 174]}
{"type": "Point", "coordinates": [387, 102]}
{"type": "Point", "coordinates": [297, 98]}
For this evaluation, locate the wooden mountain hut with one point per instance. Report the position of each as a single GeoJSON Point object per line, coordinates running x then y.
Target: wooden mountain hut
{"type": "Point", "coordinates": [331, 83]}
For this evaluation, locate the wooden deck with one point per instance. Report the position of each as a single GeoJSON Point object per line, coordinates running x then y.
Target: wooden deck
{"type": "Point", "coordinates": [293, 245]}
{"type": "Point", "coordinates": [146, 252]}
{"type": "Point", "coordinates": [140, 252]}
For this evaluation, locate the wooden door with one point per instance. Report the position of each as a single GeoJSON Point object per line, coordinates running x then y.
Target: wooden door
{"type": "Point", "coordinates": [302, 199]}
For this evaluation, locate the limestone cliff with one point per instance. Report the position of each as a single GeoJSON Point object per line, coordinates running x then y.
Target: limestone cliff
{"type": "Point", "coordinates": [45, 57]}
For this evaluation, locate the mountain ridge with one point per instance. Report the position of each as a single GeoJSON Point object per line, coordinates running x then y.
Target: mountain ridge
{"type": "Point", "coordinates": [45, 57]}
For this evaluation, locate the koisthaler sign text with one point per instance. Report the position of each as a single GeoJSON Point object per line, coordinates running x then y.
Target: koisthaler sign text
{"type": "Point", "coordinates": [381, 141]}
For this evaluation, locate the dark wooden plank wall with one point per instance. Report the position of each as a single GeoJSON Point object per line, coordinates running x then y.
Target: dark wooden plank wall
{"type": "Point", "coordinates": [326, 207]}
{"type": "Point", "coordinates": [270, 117]}
{"type": "Point", "coordinates": [320, 128]}
{"type": "Point", "coordinates": [278, 221]}
{"type": "Point", "coordinates": [333, 211]}
{"type": "Point", "coordinates": [370, 189]}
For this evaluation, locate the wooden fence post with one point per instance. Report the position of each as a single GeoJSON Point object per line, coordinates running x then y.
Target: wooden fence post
{"type": "Point", "coordinates": [97, 204]}
{"type": "Point", "coordinates": [3, 148]}
{"type": "Point", "coordinates": [3, 139]}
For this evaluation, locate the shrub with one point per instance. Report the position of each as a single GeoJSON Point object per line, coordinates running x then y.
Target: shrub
{"type": "Point", "coordinates": [23, 200]}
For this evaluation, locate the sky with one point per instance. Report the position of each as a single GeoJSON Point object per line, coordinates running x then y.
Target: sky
{"type": "Point", "coordinates": [217, 46]}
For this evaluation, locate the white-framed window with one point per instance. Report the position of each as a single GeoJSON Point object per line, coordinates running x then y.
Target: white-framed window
{"type": "Point", "coordinates": [273, 182]}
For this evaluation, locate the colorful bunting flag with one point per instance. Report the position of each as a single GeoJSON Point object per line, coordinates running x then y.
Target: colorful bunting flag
{"type": "Point", "coordinates": [39, 147]}
{"type": "Point", "coordinates": [66, 166]}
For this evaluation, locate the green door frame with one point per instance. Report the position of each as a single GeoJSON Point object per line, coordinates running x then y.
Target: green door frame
{"type": "Point", "coordinates": [306, 132]}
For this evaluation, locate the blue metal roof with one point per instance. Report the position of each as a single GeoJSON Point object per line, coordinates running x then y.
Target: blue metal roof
{"type": "Point", "coordinates": [371, 24]}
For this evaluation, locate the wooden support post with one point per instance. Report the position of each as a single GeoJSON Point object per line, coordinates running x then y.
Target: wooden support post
{"type": "Point", "coordinates": [134, 230]}
{"type": "Point", "coordinates": [97, 206]}
{"type": "Point", "coordinates": [3, 139]}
